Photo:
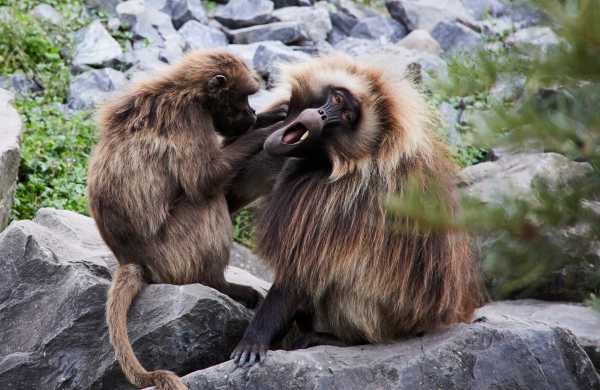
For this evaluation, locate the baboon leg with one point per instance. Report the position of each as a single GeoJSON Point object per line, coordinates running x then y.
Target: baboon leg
{"type": "Point", "coordinates": [246, 295]}
{"type": "Point", "coordinates": [312, 339]}
{"type": "Point", "coordinates": [127, 283]}
{"type": "Point", "coordinates": [270, 323]}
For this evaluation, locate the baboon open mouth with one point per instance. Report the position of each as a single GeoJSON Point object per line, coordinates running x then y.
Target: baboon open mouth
{"type": "Point", "coordinates": [296, 133]}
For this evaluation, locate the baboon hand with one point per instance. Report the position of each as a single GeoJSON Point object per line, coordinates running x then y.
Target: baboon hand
{"type": "Point", "coordinates": [248, 352]}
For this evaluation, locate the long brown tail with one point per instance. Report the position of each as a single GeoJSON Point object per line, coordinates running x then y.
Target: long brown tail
{"type": "Point", "coordinates": [127, 283]}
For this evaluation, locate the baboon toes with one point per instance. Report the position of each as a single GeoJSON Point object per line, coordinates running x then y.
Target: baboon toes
{"type": "Point", "coordinates": [167, 380]}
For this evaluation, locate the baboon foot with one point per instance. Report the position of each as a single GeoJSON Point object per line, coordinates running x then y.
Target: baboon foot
{"type": "Point", "coordinates": [249, 352]}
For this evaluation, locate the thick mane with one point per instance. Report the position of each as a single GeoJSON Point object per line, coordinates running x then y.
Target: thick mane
{"type": "Point", "coordinates": [331, 232]}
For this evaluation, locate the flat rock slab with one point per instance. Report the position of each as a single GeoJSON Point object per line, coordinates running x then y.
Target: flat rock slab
{"type": "Point", "coordinates": [10, 153]}
{"type": "Point", "coordinates": [498, 353]}
{"type": "Point", "coordinates": [55, 272]}
{"type": "Point", "coordinates": [582, 321]}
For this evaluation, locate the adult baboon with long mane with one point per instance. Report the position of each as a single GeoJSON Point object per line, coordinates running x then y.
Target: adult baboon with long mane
{"type": "Point", "coordinates": [345, 267]}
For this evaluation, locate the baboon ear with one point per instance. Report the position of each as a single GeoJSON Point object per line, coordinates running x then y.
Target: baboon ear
{"type": "Point", "coordinates": [216, 83]}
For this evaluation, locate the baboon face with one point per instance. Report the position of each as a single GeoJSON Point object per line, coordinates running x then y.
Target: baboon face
{"type": "Point", "coordinates": [315, 123]}
{"type": "Point", "coordinates": [231, 112]}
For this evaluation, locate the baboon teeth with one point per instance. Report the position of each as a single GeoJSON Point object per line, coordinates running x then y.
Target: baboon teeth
{"type": "Point", "coordinates": [304, 136]}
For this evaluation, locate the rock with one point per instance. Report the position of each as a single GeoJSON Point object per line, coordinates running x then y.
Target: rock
{"type": "Point", "coordinates": [200, 36]}
{"type": "Point", "coordinates": [270, 55]}
{"type": "Point", "coordinates": [95, 46]}
{"type": "Point", "coordinates": [508, 87]}
{"type": "Point", "coordinates": [379, 27]}
{"type": "Point", "coordinates": [426, 14]}
{"type": "Point", "coordinates": [148, 24]}
{"type": "Point", "coordinates": [513, 175]}
{"type": "Point", "coordinates": [244, 13]}
{"type": "Point", "coordinates": [108, 6]}
{"type": "Point", "coordinates": [47, 13]}
{"type": "Point", "coordinates": [21, 83]}
{"type": "Point", "coordinates": [316, 20]}
{"type": "Point", "coordinates": [260, 101]}
{"type": "Point", "coordinates": [10, 154]}
{"type": "Point", "coordinates": [246, 52]}
{"type": "Point", "coordinates": [286, 32]}
{"type": "Point", "coordinates": [522, 14]}
{"type": "Point", "coordinates": [540, 38]}
{"type": "Point", "coordinates": [421, 40]}
{"type": "Point", "coordinates": [582, 321]}
{"type": "Point", "coordinates": [93, 87]}
{"type": "Point", "coordinates": [54, 276]}
{"type": "Point", "coordinates": [139, 58]}
{"type": "Point", "coordinates": [346, 14]}
{"type": "Point", "coordinates": [180, 11]}
{"type": "Point", "coordinates": [497, 353]}
{"type": "Point", "coordinates": [454, 36]}
{"type": "Point", "coordinates": [291, 3]}
{"type": "Point", "coordinates": [449, 116]}
{"type": "Point", "coordinates": [401, 57]}
{"type": "Point", "coordinates": [481, 9]}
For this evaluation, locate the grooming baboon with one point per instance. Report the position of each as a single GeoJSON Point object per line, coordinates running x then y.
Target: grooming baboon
{"type": "Point", "coordinates": [345, 267]}
{"type": "Point", "coordinates": [157, 183]}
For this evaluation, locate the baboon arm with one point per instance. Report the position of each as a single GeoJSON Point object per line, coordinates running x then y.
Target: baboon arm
{"type": "Point", "coordinates": [276, 113]}
{"type": "Point", "coordinates": [270, 323]}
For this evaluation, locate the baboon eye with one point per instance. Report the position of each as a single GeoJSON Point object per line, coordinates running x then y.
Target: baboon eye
{"type": "Point", "coordinates": [337, 99]}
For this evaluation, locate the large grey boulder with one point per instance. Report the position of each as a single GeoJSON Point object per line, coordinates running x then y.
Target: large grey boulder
{"type": "Point", "coordinates": [10, 154]}
{"type": "Point", "coordinates": [379, 27]}
{"type": "Point", "coordinates": [316, 20]}
{"type": "Point", "coordinates": [286, 32]}
{"type": "Point", "coordinates": [455, 36]}
{"type": "Point", "coordinates": [46, 13]}
{"type": "Point", "coordinates": [421, 40]}
{"type": "Point", "coordinates": [95, 46]}
{"type": "Point", "coordinates": [401, 57]}
{"type": "Point", "coordinates": [270, 55]}
{"type": "Point", "coordinates": [244, 13]}
{"type": "Point", "coordinates": [93, 87]}
{"type": "Point", "coordinates": [200, 36]}
{"type": "Point", "coordinates": [346, 14]}
{"type": "Point", "coordinates": [567, 276]}
{"type": "Point", "coordinates": [148, 24]}
{"type": "Point", "coordinates": [582, 321]}
{"type": "Point", "coordinates": [497, 353]}
{"type": "Point", "coordinates": [513, 175]}
{"type": "Point", "coordinates": [426, 14]}
{"type": "Point", "coordinates": [21, 83]}
{"type": "Point", "coordinates": [54, 275]}
{"type": "Point", "coordinates": [180, 11]}
{"type": "Point", "coordinates": [536, 38]}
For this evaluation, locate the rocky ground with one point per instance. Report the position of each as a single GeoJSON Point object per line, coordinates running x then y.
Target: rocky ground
{"type": "Point", "coordinates": [55, 270]}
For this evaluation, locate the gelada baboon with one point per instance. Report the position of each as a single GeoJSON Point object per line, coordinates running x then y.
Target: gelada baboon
{"type": "Point", "coordinates": [157, 183]}
{"type": "Point", "coordinates": [345, 267]}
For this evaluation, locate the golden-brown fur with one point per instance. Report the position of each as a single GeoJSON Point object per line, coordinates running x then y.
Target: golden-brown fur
{"type": "Point", "coordinates": [157, 183]}
{"type": "Point", "coordinates": [325, 229]}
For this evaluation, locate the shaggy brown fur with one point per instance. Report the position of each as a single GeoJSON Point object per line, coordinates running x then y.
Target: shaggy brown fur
{"type": "Point", "coordinates": [157, 183]}
{"type": "Point", "coordinates": [367, 275]}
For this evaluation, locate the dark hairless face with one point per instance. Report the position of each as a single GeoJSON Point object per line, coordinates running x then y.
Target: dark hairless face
{"type": "Point", "coordinates": [311, 126]}
{"type": "Point", "coordinates": [231, 112]}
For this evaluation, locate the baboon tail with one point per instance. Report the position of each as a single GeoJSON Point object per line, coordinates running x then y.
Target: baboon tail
{"type": "Point", "coordinates": [127, 283]}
